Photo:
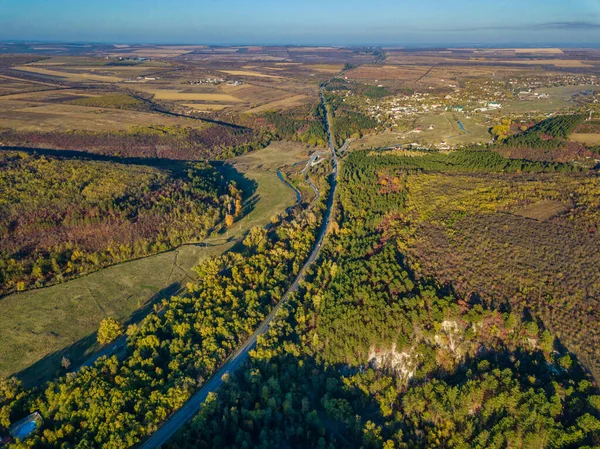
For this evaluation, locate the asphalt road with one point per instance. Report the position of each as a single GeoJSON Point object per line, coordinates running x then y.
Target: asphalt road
{"type": "Point", "coordinates": [237, 358]}
{"type": "Point", "coordinates": [121, 342]}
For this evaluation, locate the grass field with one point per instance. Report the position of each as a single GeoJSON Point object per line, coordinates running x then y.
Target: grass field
{"type": "Point", "coordinates": [205, 107]}
{"type": "Point", "coordinates": [41, 326]}
{"type": "Point", "coordinates": [559, 98]}
{"type": "Point", "coordinates": [589, 139]}
{"type": "Point", "coordinates": [73, 77]}
{"type": "Point", "coordinates": [248, 73]}
{"type": "Point", "coordinates": [284, 103]}
{"type": "Point", "coordinates": [445, 128]}
{"type": "Point", "coordinates": [24, 116]}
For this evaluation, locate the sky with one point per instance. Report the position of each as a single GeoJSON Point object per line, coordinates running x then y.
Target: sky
{"type": "Point", "coordinates": [304, 22]}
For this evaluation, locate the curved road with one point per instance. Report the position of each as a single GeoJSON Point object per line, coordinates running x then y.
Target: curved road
{"type": "Point", "coordinates": [238, 357]}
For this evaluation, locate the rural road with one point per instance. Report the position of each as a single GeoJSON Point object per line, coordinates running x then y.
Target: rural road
{"type": "Point", "coordinates": [121, 342]}
{"type": "Point", "coordinates": [237, 358]}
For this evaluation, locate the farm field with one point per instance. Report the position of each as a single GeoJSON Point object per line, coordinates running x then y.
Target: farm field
{"type": "Point", "coordinates": [64, 117]}
{"type": "Point", "coordinates": [280, 104]}
{"type": "Point", "coordinates": [558, 98]}
{"type": "Point", "coordinates": [249, 73]}
{"type": "Point", "coordinates": [161, 94]}
{"type": "Point", "coordinates": [28, 102]}
{"type": "Point", "coordinates": [203, 107]}
{"type": "Point", "coordinates": [73, 77]}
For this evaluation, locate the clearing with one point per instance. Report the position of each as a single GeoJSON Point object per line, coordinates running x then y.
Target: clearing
{"type": "Point", "coordinates": [176, 95]}
{"type": "Point", "coordinates": [585, 138]}
{"type": "Point", "coordinates": [247, 73]}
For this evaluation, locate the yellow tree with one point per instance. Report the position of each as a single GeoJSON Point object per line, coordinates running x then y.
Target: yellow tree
{"type": "Point", "coordinates": [109, 330]}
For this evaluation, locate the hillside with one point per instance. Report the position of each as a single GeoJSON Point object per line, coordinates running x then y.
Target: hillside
{"type": "Point", "coordinates": [62, 218]}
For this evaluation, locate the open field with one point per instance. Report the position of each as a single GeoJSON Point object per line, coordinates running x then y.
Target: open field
{"type": "Point", "coordinates": [185, 90]}
{"type": "Point", "coordinates": [248, 73]}
{"type": "Point", "coordinates": [64, 117]}
{"type": "Point", "coordinates": [326, 68]}
{"type": "Point", "coordinates": [276, 155]}
{"type": "Point", "coordinates": [11, 85]}
{"type": "Point", "coordinates": [558, 98]}
{"type": "Point", "coordinates": [45, 94]}
{"type": "Point", "coordinates": [543, 210]}
{"type": "Point", "coordinates": [545, 105]}
{"type": "Point", "coordinates": [571, 63]}
{"type": "Point", "coordinates": [86, 69]}
{"type": "Point", "coordinates": [431, 129]}
{"type": "Point", "coordinates": [158, 51]}
{"type": "Point", "coordinates": [590, 139]}
{"type": "Point", "coordinates": [73, 77]}
{"type": "Point", "coordinates": [192, 96]}
{"type": "Point", "coordinates": [205, 107]}
{"type": "Point", "coordinates": [553, 51]}
{"type": "Point", "coordinates": [280, 104]}
{"type": "Point", "coordinates": [446, 128]}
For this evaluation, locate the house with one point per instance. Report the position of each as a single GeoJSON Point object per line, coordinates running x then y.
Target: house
{"type": "Point", "coordinates": [494, 105]}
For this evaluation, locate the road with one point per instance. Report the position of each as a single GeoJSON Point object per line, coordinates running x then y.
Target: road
{"type": "Point", "coordinates": [120, 343]}
{"type": "Point", "coordinates": [237, 358]}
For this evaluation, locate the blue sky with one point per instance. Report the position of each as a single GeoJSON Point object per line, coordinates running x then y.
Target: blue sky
{"type": "Point", "coordinates": [336, 22]}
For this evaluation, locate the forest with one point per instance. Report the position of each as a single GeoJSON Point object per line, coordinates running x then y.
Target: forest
{"type": "Point", "coordinates": [61, 218]}
{"type": "Point", "coordinates": [297, 125]}
{"type": "Point", "coordinates": [347, 123]}
{"type": "Point", "coordinates": [547, 141]}
{"type": "Point", "coordinates": [369, 354]}
{"type": "Point", "coordinates": [122, 399]}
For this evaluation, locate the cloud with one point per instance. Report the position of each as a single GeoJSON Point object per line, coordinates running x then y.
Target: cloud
{"type": "Point", "coordinates": [569, 26]}
{"type": "Point", "coordinates": [564, 26]}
